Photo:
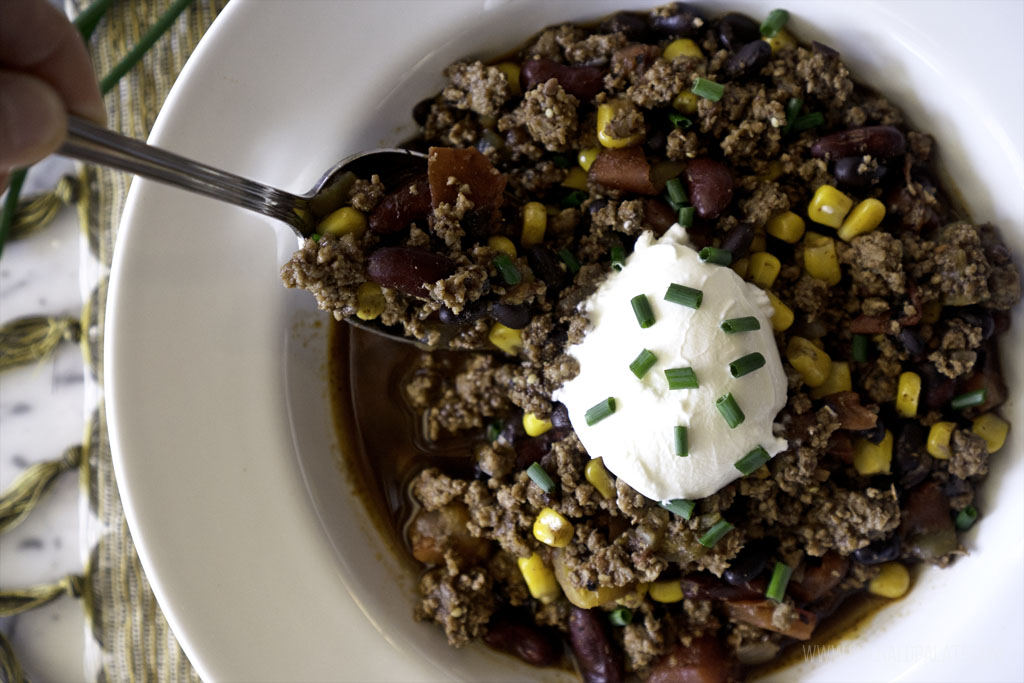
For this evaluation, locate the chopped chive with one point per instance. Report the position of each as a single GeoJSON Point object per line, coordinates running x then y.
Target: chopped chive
{"type": "Point", "coordinates": [642, 363]}
{"type": "Point", "coordinates": [965, 518]}
{"type": "Point", "coordinates": [730, 410]}
{"type": "Point", "coordinates": [722, 257]}
{"type": "Point", "coordinates": [793, 107]}
{"type": "Point", "coordinates": [642, 310]}
{"type": "Point", "coordinates": [715, 533]}
{"type": "Point", "coordinates": [681, 378]}
{"type": "Point", "coordinates": [569, 260]}
{"type": "Point", "coordinates": [684, 296]}
{"type": "Point", "coordinates": [752, 461]}
{"type": "Point", "coordinates": [618, 258]}
{"type": "Point", "coordinates": [680, 121]}
{"type": "Point", "coordinates": [808, 121]}
{"type": "Point", "coordinates": [600, 411]}
{"type": "Point", "coordinates": [561, 161]}
{"type": "Point", "coordinates": [315, 237]}
{"type": "Point", "coordinates": [621, 616]}
{"type": "Point", "coordinates": [494, 430]}
{"type": "Point", "coordinates": [509, 273]}
{"type": "Point", "coordinates": [679, 506]}
{"type": "Point", "coordinates": [681, 436]}
{"type": "Point", "coordinates": [777, 18]}
{"type": "Point", "coordinates": [746, 324]}
{"type": "Point", "coordinates": [746, 365]}
{"type": "Point", "coordinates": [969, 400]}
{"type": "Point", "coordinates": [686, 216]}
{"type": "Point", "coordinates": [676, 194]}
{"type": "Point", "coordinates": [780, 579]}
{"type": "Point", "coordinates": [573, 199]}
{"type": "Point", "coordinates": [709, 90]}
{"type": "Point", "coordinates": [860, 348]}
{"type": "Point", "coordinates": [540, 477]}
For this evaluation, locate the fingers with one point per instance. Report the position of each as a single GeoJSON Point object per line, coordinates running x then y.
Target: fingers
{"type": "Point", "coordinates": [37, 39]}
{"type": "Point", "coordinates": [33, 120]}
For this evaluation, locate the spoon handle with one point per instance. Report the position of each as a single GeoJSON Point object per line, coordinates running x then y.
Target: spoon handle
{"type": "Point", "coordinates": [94, 144]}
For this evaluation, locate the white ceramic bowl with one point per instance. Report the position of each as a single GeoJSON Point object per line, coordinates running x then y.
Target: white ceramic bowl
{"type": "Point", "coordinates": [264, 563]}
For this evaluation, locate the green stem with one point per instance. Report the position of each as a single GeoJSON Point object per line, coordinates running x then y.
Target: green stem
{"type": "Point", "coordinates": [88, 18]}
{"type": "Point", "coordinates": [145, 42]}
{"type": "Point", "coordinates": [11, 205]}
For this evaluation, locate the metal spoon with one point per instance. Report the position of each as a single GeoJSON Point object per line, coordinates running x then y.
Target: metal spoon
{"type": "Point", "coordinates": [94, 144]}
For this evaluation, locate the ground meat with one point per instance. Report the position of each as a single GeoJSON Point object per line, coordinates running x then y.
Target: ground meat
{"type": "Point", "coordinates": [969, 455]}
{"type": "Point", "coordinates": [810, 295]}
{"type": "Point", "coordinates": [825, 77]}
{"type": "Point", "coordinates": [767, 201]}
{"type": "Point", "coordinates": [956, 354]}
{"type": "Point", "coordinates": [663, 81]}
{"type": "Point", "coordinates": [876, 263]}
{"type": "Point", "coordinates": [447, 223]}
{"type": "Point", "coordinates": [549, 114]}
{"type": "Point", "coordinates": [848, 520]}
{"type": "Point", "coordinates": [626, 121]}
{"type": "Point", "coordinates": [594, 49]}
{"type": "Point", "coordinates": [332, 269]}
{"type": "Point", "coordinates": [961, 269]}
{"type": "Point", "coordinates": [625, 217]}
{"type": "Point", "coordinates": [448, 126]}
{"type": "Point", "coordinates": [434, 489]}
{"type": "Point", "coordinates": [366, 194]}
{"type": "Point", "coordinates": [461, 604]}
{"type": "Point", "coordinates": [683, 145]}
{"type": "Point", "coordinates": [481, 89]}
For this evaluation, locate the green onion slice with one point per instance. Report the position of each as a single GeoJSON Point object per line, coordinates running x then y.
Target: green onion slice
{"type": "Point", "coordinates": [709, 90]}
{"type": "Point", "coordinates": [715, 533]}
{"type": "Point", "coordinates": [777, 18]}
{"type": "Point", "coordinates": [780, 579]}
{"type": "Point", "coordinates": [540, 477]}
{"type": "Point", "coordinates": [752, 461]}
{"type": "Point", "coordinates": [730, 410]}
{"type": "Point", "coordinates": [618, 258]}
{"type": "Point", "coordinates": [682, 440]}
{"type": "Point", "coordinates": [808, 121]}
{"type": "Point", "coordinates": [573, 199]}
{"type": "Point", "coordinates": [509, 273]}
{"type": "Point", "coordinates": [680, 121]}
{"type": "Point", "coordinates": [642, 310]}
{"type": "Point", "coordinates": [722, 257]}
{"type": "Point", "coordinates": [494, 430]}
{"type": "Point", "coordinates": [620, 616]}
{"type": "Point", "coordinates": [315, 237]}
{"type": "Point", "coordinates": [600, 411]}
{"type": "Point", "coordinates": [686, 216]}
{"type": "Point", "coordinates": [684, 296]}
{"type": "Point", "coordinates": [681, 378]}
{"type": "Point", "coordinates": [569, 260]}
{"type": "Point", "coordinates": [676, 195]}
{"type": "Point", "coordinates": [969, 400]}
{"type": "Point", "coordinates": [793, 107]}
{"type": "Point", "coordinates": [642, 363]}
{"type": "Point", "coordinates": [679, 506]}
{"type": "Point", "coordinates": [860, 348]}
{"type": "Point", "coordinates": [746, 365]}
{"type": "Point", "coordinates": [966, 518]}
{"type": "Point", "coordinates": [746, 324]}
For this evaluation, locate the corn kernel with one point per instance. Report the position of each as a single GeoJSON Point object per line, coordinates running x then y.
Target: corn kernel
{"type": "Point", "coordinates": [764, 268]}
{"type": "Point", "coordinates": [771, 172]}
{"type": "Point", "coordinates": [552, 529]}
{"type": "Point", "coordinates": [891, 582]}
{"type": "Point", "coordinates": [813, 364]}
{"type": "Point", "coordinates": [993, 429]}
{"type": "Point", "coordinates": [685, 102]}
{"type": "Point", "coordinates": [540, 580]}
{"type": "Point", "coordinates": [576, 179]}
{"type": "Point", "coordinates": [666, 591]}
{"type": "Point", "coordinates": [534, 426]}
{"type": "Point", "coordinates": [759, 242]}
{"type": "Point", "coordinates": [873, 458]}
{"type": "Point", "coordinates": [783, 40]}
{"type": "Point", "coordinates": [511, 71]}
{"type": "Point", "coordinates": [782, 315]}
{"type": "Point", "coordinates": [681, 47]}
{"type": "Point", "coordinates": [370, 301]}
{"type": "Point", "coordinates": [506, 339]}
{"type": "Point", "coordinates": [787, 226]}
{"type": "Point", "coordinates": [599, 478]}
{"type": "Point", "coordinates": [605, 113]}
{"type": "Point", "coordinates": [938, 440]}
{"type": "Point", "coordinates": [864, 218]}
{"type": "Point", "coordinates": [502, 244]}
{"type": "Point", "coordinates": [820, 258]}
{"type": "Point", "coordinates": [907, 392]}
{"type": "Point", "coordinates": [535, 222]}
{"type": "Point", "coordinates": [344, 221]}
{"type": "Point", "coordinates": [304, 216]}
{"type": "Point", "coordinates": [741, 267]}
{"type": "Point", "coordinates": [930, 312]}
{"type": "Point", "coordinates": [829, 206]}
{"type": "Point", "coordinates": [586, 157]}
{"type": "Point", "coordinates": [838, 380]}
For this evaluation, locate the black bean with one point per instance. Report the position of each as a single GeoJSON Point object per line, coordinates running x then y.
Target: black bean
{"type": "Point", "coordinates": [422, 110]}
{"type": "Point", "coordinates": [883, 550]}
{"type": "Point", "coordinates": [517, 317]}
{"type": "Point", "coordinates": [680, 19]}
{"type": "Point", "coordinates": [748, 61]}
{"type": "Point", "coordinates": [956, 487]}
{"type": "Point", "coordinates": [979, 317]}
{"type": "Point", "coordinates": [598, 658]}
{"type": "Point", "coordinates": [528, 642]}
{"type": "Point", "coordinates": [547, 267]}
{"type": "Point", "coordinates": [633, 25]}
{"type": "Point", "coordinates": [880, 141]}
{"type": "Point", "coordinates": [911, 464]}
{"type": "Point", "coordinates": [875, 435]}
{"type": "Point", "coordinates": [750, 561]}
{"type": "Point", "coordinates": [936, 388]}
{"type": "Point", "coordinates": [560, 416]}
{"type": "Point", "coordinates": [736, 30]}
{"type": "Point", "coordinates": [472, 311]}
{"type": "Point", "coordinates": [848, 172]}
{"type": "Point", "coordinates": [737, 240]}
{"type": "Point", "coordinates": [911, 341]}
{"type": "Point", "coordinates": [656, 141]}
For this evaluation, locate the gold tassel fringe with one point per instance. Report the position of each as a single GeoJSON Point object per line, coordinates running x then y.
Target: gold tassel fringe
{"type": "Point", "coordinates": [33, 338]}
{"type": "Point", "coordinates": [36, 212]}
{"type": "Point", "coordinates": [30, 486]}
{"type": "Point", "coordinates": [16, 601]}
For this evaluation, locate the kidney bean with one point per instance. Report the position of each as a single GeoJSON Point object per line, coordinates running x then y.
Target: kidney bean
{"type": "Point", "coordinates": [547, 267]}
{"type": "Point", "coordinates": [703, 661]}
{"type": "Point", "coordinates": [736, 30]}
{"type": "Point", "coordinates": [398, 209]}
{"type": "Point", "coordinates": [623, 169]}
{"type": "Point", "coordinates": [633, 25]}
{"type": "Point", "coordinates": [710, 183]}
{"type": "Point", "coordinates": [528, 643]}
{"type": "Point", "coordinates": [703, 586]}
{"type": "Point", "coordinates": [531, 449]}
{"type": "Point", "coordinates": [680, 19]}
{"type": "Point", "coordinates": [517, 317]}
{"type": "Point", "coordinates": [820, 579]}
{"type": "Point", "coordinates": [847, 172]}
{"type": "Point", "coordinates": [883, 550]}
{"type": "Point", "coordinates": [468, 166]}
{"type": "Point", "coordinates": [470, 312]}
{"type": "Point", "coordinates": [737, 240]}
{"type": "Point", "coordinates": [583, 82]}
{"type": "Point", "coordinates": [840, 445]}
{"type": "Point", "coordinates": [926, 527]}
{"type": "Point", "coordinates": [598, 658]}
{"type": "Point", "coordinates": [879, 141]}
{"type": "Point", "coordinates": [658, 215]}
{"type": "Point", "coordinates": [869, 324]}
{"type": "Point", "coordinates": [407, 269]}
{"type": "Point", "coordinates": [748, 61]}
{"type": "Point", "coordinates": [852, 415]}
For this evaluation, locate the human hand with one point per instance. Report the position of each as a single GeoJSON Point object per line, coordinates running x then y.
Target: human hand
{"type": "Point", "coordinates": [44, 74]}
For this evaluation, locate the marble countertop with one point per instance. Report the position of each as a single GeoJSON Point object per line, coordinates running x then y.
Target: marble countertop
{"type": "Point", "coordinates": [42, 412]}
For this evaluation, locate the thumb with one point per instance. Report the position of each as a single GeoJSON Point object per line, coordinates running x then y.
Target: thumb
{"type": "Point", "coordinates": [33, 121]}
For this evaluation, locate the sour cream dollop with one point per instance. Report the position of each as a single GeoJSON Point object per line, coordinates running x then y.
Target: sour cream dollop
{"type": "Point", "coordinates": [637, 442]}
